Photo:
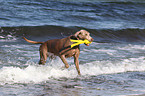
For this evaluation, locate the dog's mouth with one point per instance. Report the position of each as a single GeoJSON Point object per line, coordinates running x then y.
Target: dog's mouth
{"type": "Point", "coordinates": [89, 42]}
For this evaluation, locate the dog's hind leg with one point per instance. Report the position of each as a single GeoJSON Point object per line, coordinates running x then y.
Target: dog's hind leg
{"type": "Point", "coordinates": [43, 55]}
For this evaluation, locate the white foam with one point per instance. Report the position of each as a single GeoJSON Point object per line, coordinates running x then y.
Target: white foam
{"type": "Point", "coordinates": [36, 74]}
{"type": "Point", "coordinates": [32, 74]}
{"type": "Point", "coordinates": [8, 38]}
{"type": "Point", "coordinates": [1, 37]}
{"type": "Point", "coordinates": [132, 47]}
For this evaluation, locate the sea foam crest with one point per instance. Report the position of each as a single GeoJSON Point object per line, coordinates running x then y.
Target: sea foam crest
{"type": "Point", "coordinates": [37, 73]}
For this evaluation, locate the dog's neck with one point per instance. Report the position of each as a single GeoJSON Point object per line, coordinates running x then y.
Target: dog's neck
{"type": "Point", "coordinates": [74, 37]}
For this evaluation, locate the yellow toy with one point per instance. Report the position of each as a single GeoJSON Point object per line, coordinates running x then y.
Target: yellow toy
{"type": "Point", "coordinates": [78, 42]}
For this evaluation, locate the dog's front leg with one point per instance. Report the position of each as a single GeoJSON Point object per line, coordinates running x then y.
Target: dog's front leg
{"type": "Point", "coordinates": [76, 61]}
{"type": "Point", "coordinates": [62, 57]}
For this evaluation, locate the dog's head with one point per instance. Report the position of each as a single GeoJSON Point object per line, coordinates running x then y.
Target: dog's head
{"type": "Point", "coordinates": [82, 35]}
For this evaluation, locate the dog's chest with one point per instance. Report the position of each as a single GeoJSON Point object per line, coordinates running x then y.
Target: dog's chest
{"type": "Point", "coordinates": [71, 53]}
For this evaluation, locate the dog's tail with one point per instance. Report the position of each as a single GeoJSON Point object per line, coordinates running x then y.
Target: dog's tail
{"type": "Point", "coordinates": [34, 42]}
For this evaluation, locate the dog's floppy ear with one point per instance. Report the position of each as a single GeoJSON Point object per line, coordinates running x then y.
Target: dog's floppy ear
{"type": "Point", "coordinates": [77, 34]}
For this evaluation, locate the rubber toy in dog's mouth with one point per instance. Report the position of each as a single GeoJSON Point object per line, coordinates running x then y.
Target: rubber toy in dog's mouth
{"type": "Point", "coordinates": [87, 44]}
{"type": "Point", "coordinates": [78, 42]}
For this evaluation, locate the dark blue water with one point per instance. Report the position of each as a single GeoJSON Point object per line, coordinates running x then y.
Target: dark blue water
{"type": "Point", "coordinates": [113, 65]}
{"type": "Point", "coordinates": [89, 14]}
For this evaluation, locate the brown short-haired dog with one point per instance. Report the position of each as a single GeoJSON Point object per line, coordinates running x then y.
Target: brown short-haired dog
{"type": "Point", "coordinates": [61, 48]}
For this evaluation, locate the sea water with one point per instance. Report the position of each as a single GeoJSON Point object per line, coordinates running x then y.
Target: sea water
{"type": "Point", "coordinates": [113, 65]}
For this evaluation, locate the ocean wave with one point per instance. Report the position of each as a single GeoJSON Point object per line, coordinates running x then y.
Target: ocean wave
{"type": "Point", "coordinates": [51, 32]}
